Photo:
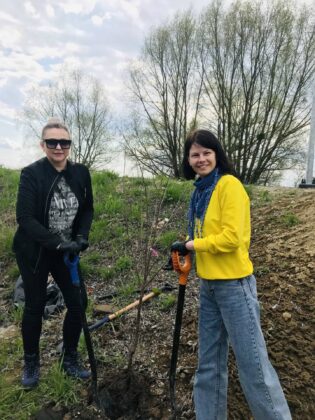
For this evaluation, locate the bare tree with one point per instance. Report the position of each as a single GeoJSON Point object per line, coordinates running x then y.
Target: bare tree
{"type": "Point", "coordinates": [79, 100]}
{"type": "Point", "coordinates": [258, 59]}
{"type": "Point", "coordinates": [166, 85]}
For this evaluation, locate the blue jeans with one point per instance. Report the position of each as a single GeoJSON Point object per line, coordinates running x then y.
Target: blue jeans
{"type": "Point", "coordinates": [229, 312]}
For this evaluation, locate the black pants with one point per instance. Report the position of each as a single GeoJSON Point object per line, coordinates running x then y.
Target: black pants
{"type": "Point", "coordinates": [35, 286]}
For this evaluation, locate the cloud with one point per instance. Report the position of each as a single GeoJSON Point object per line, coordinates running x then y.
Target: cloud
{"type": "Point", "coordinates": [7, 17]}
{"type": "Point", "coordinates": [18, 65]}
{"type": "Point", "coordinates": [7, 112]}
{"type": "Point", "coordinates": [30, 10]}
{"type": "Point", "coordinates": [98, 20]}
{"type": "Point", "coordinates": [10, 36]}
{"type": "Point", "coordinates": [50, 11]}
{"type": "Point", "coordinates": [83, 7]}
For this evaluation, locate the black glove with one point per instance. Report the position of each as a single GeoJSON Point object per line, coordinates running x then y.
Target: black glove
{"type": "Point", "coordinates": [82, 242]}
{"type": "Point", "coordinates": [169, 265]}
{"type": "Point", "coordinates": [180, 248]}
{"type": "Point", "coordinates": [70, 246]}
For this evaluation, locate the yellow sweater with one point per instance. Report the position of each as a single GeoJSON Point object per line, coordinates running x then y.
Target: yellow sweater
{"type": "Point", "coordinates": [222, 252]}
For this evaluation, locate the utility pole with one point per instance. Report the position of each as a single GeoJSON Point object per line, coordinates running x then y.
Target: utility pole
{"type": "Point", "coordinates": [308, 183]}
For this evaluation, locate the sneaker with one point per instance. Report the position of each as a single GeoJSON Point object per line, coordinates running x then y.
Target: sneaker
{"type": "Point", "coordinates": [30, 376]}
{"type": "Point", "coordinates": [72, 366]}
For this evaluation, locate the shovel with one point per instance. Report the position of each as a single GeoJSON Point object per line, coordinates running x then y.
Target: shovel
{"type": "Point", "coordinates": [72, 262]}
{"type": "Point", "coordinates": [183, 269]}
{"type": "Point", "coordinates": [132, 305]}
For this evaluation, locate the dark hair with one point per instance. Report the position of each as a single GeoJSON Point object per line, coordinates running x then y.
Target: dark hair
{"type": "Point", "coordinates": [54, 123]}
{"type": "Point", "coordinates": [208, 140]}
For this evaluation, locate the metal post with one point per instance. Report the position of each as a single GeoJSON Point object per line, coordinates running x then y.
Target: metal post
{"type": "Point", "coordinates": [308, 183]}
{"type": "Point", "coordinates": [311, 145]}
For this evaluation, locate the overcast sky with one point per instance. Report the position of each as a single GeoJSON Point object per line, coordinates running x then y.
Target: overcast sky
{"type": "Point", "coordinates": [37, 37]}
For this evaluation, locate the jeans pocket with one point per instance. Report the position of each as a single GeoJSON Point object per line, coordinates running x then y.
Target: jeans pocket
{"type": "Point", "coordinates": [250, 282]}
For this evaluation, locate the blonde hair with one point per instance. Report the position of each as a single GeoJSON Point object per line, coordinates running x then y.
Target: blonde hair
{"type": "Point", "coordinates": [54, 122]}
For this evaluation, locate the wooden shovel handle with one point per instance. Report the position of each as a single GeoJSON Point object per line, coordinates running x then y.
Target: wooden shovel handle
{"type": "Point", "coordinates": [131, 305]}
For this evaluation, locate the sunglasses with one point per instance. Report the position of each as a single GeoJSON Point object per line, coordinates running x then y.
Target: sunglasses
{"type": "Point", "coordinates": [63, 143]}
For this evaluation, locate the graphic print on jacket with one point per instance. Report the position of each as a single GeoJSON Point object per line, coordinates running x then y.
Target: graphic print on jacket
{"type": "Point", "coordinates": [63, 209]}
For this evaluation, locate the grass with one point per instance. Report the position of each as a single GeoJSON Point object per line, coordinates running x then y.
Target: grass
{"type": "Point", "coordinates": [261, 271]}
{"type": "Point", "coordinates": [17, 403]}
{"type": "Point", "coordinates": [166, 301]}
{"type": "Point", "coordinates": [289, 219]}
{"type": "Point", "coordinates": [166, 239]}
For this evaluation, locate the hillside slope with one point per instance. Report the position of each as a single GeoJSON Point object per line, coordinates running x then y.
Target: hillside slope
{"type": "Point", "coordinates": [282, 249]}
{"type": "Point", "coordinates": [283, 225]}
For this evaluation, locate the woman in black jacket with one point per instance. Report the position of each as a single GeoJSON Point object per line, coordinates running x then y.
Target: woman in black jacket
{"type": "Point", "coordinates": [54, 215]}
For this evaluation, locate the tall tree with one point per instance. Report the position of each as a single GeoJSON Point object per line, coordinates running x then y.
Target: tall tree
{"type": "Point", "coordinates": [166, 85]}
{"type": "Point", "coordinates": [258, 59]}
{"type": "Point", "coordinates": [80, 101]}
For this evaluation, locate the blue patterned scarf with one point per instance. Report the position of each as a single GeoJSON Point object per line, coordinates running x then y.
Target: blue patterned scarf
{"type": "Point", "coordinates": [200, 199]}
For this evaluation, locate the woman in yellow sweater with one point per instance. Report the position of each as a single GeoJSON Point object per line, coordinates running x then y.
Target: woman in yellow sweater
{"type": "Point", "coordinates": [219, 233]}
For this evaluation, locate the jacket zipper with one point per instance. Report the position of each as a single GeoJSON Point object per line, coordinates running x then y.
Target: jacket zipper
{"type": "Point", "coordinates": [45, 215]}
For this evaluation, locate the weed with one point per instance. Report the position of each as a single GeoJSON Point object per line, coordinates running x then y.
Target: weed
{"type": "Point", "coordinates": [98, 231]}
{"type": "Point", "coordinates": [174, 192]}
{"type": "Point", "coordinates": [93, 257]}
{"type": "Point", "coordinates": [13, 272]}
{"type": "Point", "coordinates": [113, 205]}
{"type": "Point", "coordinates": [250, 190]}
{"type": "Point", "coordinates": [127, 289]}
{"type": "Point", "coordinates": [166, 239]}
{"type": "Point", "coordinates": [265, 196]}
{"type": "Point", "coordinates": [105, 273]}
{"type": "Point", "coordinates": [9, 181]}
{"type": "Point", "coordinates": [123, 263]}
{"type": "Point", "coordinates": [6, 240]}
{"type": "Point", "coordinates": [58, 386]}
{"type": "Point", "coordinates": [289, 219]}
{"type": "Point", "coordinates": [87, 269]}
{"type": "Point", "coordinates": [141, 182]}
{"type": "Point", "coordinates": [116, 359]}
{"type": "Point", "coordinates": [261, 270]}
{"type": "Point", "coordinates": [166, 301]}
{"type": "Point", "coordinates": [17, 314]}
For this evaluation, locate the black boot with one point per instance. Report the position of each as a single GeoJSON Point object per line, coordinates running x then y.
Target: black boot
{"type": "Point", "coordinates": [72, 366]}
{"type": "Point", "coordinates": [30, 376]}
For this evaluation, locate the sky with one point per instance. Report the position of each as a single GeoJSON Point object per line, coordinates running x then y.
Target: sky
{"type": "Point", "coordinates": [39, 37]}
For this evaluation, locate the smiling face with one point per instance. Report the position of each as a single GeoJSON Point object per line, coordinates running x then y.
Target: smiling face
{"type": "Point", "coordinates": [202, 160]}
{"type": "Point", "coordinates": [58, 156]}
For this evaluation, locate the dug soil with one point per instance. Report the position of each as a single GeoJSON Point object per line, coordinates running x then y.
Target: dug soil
{"type": "Point", "coordinates": [283, 253]}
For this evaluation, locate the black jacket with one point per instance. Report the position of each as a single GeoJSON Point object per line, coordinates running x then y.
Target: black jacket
{"type": "Point", "coordinates": [36, 187]}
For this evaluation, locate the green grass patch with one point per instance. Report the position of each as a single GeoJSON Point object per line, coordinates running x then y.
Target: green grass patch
{"type": "Point", "coordinates": [166, 239]}
{"type": "Point", "coordinates": [289, 219]}
{"type": "Point", "coordinates": [175, 192]}
{"type": "Point", "coordinates": [13, 272]}
{"type": "Point", "coordinates": [6, 241]}
{"type": "Point", "coordinates": [166, 301]}
{"type": "Point", "coordinates": [125, 290]}
{"type": "Point", "coordinates": [98, 230]}
{"type": "Point", "coordinates": [17, 403]}
{"type": "Point", "coordinates": [123, 263]}
{"type": "Point", "coordinates": [9, 181]}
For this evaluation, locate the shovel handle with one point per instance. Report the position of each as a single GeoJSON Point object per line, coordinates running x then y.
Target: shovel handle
{"type": "Point", "coordinates": [183, 268]}
{"type": "Point", "coordinates": [72, 263]}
